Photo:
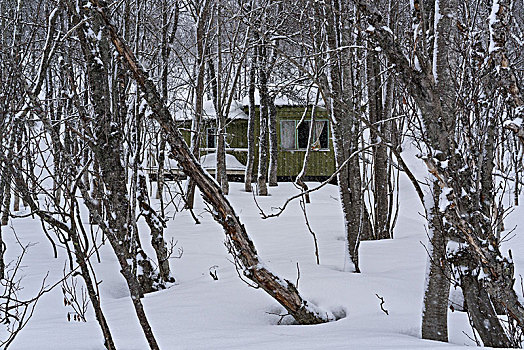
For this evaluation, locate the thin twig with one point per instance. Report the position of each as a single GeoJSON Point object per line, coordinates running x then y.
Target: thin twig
{"type": "Point", "coordinates": [382, 302]}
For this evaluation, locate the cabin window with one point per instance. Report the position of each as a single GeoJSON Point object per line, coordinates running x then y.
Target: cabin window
{"type": "Point", "coordinates": [287, 134]}
{"type": "Point", "coordinates": [321, 135]}
{"type": "Point", "coordinates": [303, 134]}
{"type": "Point", "coordinates": [295, 136]}
{"type": "Point", "coordinates": [211, 138]}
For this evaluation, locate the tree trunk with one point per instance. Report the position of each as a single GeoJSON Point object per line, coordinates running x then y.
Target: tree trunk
{"type": "Point", "coordinates": [248, 175]}
{"type": "Point", "coordinates": [202, 25]}
{"type": "Point", "coordinates": [437, 283]}
{"type": "Point", "coordinates": [380, 156]}
{"type": "Point", "coordinates": [344, 130]}
{"type": "Point", "coordinates": [302, 174]}
{"type": "Point", "coordinates": [273, 143]}
{"type": "Point", "coordinates": [221, 171]}
{"type": "Point", "coordinates": [108, 152]}
{"type": "Point", "coordinates": [156, 225]}
{"type": "Point", "coordinates": [264, 116]}
{"type": "Point", "coordinates": [482, 313]}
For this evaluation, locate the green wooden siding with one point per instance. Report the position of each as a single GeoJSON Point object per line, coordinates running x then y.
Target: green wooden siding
{"type": "Point", "coordinates": [321, 162]}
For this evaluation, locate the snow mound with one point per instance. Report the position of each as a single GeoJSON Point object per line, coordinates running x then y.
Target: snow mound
{"type": "Point", "coordinates": [209, 161]}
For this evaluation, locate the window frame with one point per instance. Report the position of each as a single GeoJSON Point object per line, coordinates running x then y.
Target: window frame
{"type": "Point", "coordinates": [295, 134]}
{"type": "Point", "coordinates": [213, 133]}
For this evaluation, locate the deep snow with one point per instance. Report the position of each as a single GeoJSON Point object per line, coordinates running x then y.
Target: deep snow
{"type": "Point", "coordinates": [200, 313]}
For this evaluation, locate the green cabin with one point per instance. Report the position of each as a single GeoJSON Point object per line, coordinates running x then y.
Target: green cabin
{"type": "Point", "coordinates": [292, 141]}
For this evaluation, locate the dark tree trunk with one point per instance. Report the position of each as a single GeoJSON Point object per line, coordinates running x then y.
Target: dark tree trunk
{"type": "Point", "coordinates": [437, 284]}
{"type": "Point", "coordinates": [273, 143]}
{"type": "Point", "coordinates": [156, 225]}
{"type": "Point", "coordinates": [264, 119]}
{"type": "Point", "coordinates": [380, 157]}
{"type": "Point", "coordinates": [248, 176]}
{"type": "Point", "coordinates": [482, 313]}
{"type": "Point", "coordinates": [202, 25]}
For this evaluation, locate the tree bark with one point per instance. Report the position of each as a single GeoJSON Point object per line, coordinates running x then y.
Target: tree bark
{"type": "Point", "coordinates": [248, 175]}
{"type": "Point", "coordinates": [344, 129]}
{"type": "Point", "coordinates": [437, 283]}
{"type": "Point", "coordinates": [202, 25]}
{"type": "Point", "coordinates": [273, 143]}
{"type": "Point", "coordinates": [482, 313]}
{"type": "Point", "coordinates": [264, 118]}
{"type": "Point", "coordinates": [381, 228]}
{"type": "Point", "coordinates": [156, 225]}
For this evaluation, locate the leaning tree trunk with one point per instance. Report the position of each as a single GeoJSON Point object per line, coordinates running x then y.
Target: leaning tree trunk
{"type": "Point", "coordinates": [482, 313]}
{"type": "Point", "coordinates": [240, 245]}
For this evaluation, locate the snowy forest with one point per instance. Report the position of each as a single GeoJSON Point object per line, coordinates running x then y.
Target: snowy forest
{"type": "Point", "coordinates": [248, 174]}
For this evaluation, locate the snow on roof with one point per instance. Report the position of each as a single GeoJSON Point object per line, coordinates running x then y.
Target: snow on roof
{"type": "Point", "coordinates": [296, 96]}
{"type": "Point", "coordinates": [235, 112]}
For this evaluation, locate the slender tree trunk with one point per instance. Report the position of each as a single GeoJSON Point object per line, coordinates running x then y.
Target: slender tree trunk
{"type": "Point", "coordinates": [380, 157]}
{"type": "Point", "coordinates": [156, 225]}
{"type": "Point", "coordinates": [6, 181]}
{"type": "Point", "coordinates": [273, 143]}
{"type": "Point", "coordinates": [344, 129]}
{"type": "Point", "coordinates": [221, 171]}
{"type": "Point", "coordinates": [202, 25]}
{"type": "Point", "coordinates": [301, 176]}
{"type": "Point", "coordinates": [264, 116]}
{"type": "Point", "coordinates": [248, 176]}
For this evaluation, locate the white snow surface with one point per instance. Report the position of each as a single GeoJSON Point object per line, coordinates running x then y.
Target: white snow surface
{"type": "Point", "coordinates": [209, 161]}
{"type": "Point", "coordinates": [201, 313]}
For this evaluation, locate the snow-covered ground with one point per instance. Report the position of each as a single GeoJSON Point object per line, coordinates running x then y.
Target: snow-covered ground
{"type": "Point", "coordinates": [201, 313]}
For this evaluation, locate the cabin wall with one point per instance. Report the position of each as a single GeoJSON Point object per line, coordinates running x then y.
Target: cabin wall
{"type": "Point", "coordinates": [321, 162]}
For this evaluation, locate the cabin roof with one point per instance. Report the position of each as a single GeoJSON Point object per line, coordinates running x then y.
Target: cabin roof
{"type": "Point", "coordinates": [297, 96]}
{"type": "Point", "coordinates": [236, 112]}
